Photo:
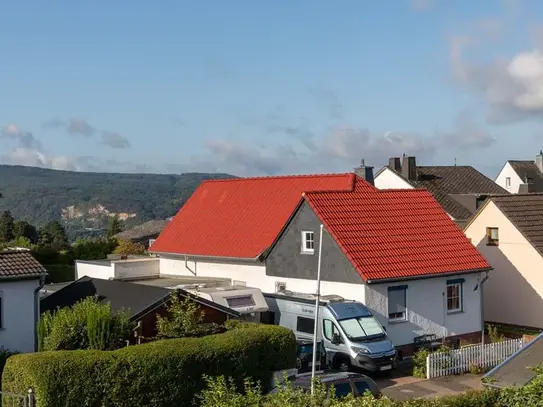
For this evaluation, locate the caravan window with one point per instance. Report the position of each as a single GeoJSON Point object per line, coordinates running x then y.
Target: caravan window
{"type": "Point", "coordinates": [306, 325]}
{"type": "Point", "coordinates": [241, 301]}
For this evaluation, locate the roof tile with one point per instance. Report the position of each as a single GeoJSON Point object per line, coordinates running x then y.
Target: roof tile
{"type": "Point", "coordinates": [19, 263]}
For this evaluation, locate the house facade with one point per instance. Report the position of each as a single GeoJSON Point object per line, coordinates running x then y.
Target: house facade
{"type": "Point", "coordinates": [460, 190]}
{"type": "Point", "coordinates": [378, 247]}
{"type": "Point", "coordinates": [522, 176]}
{"type": "Point", "coordinates": [508, 231]}
{"type": "Point", "coordinates": [21, 277]}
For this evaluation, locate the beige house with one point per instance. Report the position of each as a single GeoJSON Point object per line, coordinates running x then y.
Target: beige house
{"type": "Point", "coordinates": [508, 231]}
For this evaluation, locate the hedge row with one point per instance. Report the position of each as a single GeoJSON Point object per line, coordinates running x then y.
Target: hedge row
{"type": "Point", "coordinates": [157, 374]}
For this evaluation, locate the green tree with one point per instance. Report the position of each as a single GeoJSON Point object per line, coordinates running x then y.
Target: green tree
{"type": "Point", "coordinates": [6, 227]}
{"type": "Point", "coordinates": [87, 325]}
{"type": "Point", "coordinates": [114, 226]}
{"type": "Point", "coordinates": [93, 249]}
{"type": "Point", "coordinates": [185, 319]}
{"type": "Point", "coordinates": [127, 248]}
{"type": "Point", "coordinates": [21, 228]}
{"type": "Point", "coordinates": [53, 235]}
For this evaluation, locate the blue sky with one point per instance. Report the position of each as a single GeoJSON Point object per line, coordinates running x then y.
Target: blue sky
{"type": "Point", "coordinates": [269, 87]}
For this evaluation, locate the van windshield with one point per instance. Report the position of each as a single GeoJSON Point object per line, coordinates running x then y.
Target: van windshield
{"type": "Point", "coordinates": [361, 328]}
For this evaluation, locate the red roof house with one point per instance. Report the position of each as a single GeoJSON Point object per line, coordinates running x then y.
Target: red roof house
{"type": "Point", "coordinates": [397, 251]}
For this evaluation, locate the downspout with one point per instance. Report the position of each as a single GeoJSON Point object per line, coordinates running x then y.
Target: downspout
{"type": "Point", "coordinates": [37, 309]}
{"type": "Point", "coordinates": [482, 311]}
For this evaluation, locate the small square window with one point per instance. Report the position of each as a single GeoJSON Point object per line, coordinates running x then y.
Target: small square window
{"type": "Point", "coordinates": [454, 296]}
{"type": "Point", "coordinates": [508, 182]}
{"type": "Point", "coordinates": [308, 242]}
{"type": "Point", "coordinates": [397, 303]}
{"type": "Point", "coordinates": [492, 237]}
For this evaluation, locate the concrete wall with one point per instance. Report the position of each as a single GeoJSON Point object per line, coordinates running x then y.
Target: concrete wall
{"type": "Point", "coordinates": [389, 179]}
{"type": "Point", "coordinates": [18, 319]}
{"type": "Point", "coordinates": [103, 270]}
{"type": "Point", "coordinates": [508, 171]}
{"type": "Point", "coordinates": [514, 292]}
{"type": "Point", "coordinates": [426, 309]}
{"type": "Point", "coordinates": [287, 259]}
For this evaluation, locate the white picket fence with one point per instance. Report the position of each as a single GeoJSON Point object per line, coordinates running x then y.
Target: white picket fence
{"type": "Point", "coordinates": [458, 361]}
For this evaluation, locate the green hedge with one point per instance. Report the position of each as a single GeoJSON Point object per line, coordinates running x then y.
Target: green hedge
{"type": "Point", "coordinates": [157, 374]}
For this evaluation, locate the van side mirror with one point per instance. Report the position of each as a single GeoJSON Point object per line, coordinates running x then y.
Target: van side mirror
{"type": "Point", "coordinates": [336, 339]}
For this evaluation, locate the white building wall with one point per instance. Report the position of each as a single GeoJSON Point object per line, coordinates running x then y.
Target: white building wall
{"type": "Point", "coordinates": [93, 269]}
{"type": "Point", "coordinates": [18, 324]}
{"type": "Point", "coordinates": [133, 268]}
{"type": "Point", "coordinates": [514, 292]}
{"type": "Point", "coordinates": [508, 172]}
{"type": "Point", "coordinates": [254, 275]}
{"type": "Point", "coordinates": [426, 309]}
{"type": "Point", "coordinates": [389, 179]}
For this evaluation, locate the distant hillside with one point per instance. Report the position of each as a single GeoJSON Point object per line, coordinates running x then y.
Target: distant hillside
{"type": "Point", "coordinates": [85, 200]}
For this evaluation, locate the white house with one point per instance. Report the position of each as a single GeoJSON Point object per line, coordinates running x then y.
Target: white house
{"type": "Point", "coordinates": [508, 231]}
{"type": "Point", "coordinates": [21, 277]}
{"type": "Point", "coordinates": [460, 190]}
{"type": "Point", "coordinates": [522, 176]}
{"type": "Point", "coordinates": [396, 251]}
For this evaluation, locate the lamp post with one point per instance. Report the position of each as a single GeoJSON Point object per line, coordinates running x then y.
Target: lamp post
{"type": "Point", "coordinates": [317, 303]}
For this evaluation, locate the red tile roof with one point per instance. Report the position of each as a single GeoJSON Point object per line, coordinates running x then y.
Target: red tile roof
{"type": "Point", "coordinates": [241, 217]}
{"type": "Point", "coordinates": [384, 233]}
{"type": "Point", "coordinates": [393, 234]}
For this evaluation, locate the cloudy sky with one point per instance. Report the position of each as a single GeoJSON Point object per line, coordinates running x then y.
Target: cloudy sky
{"type": "Point", "coordinates": [269, 87]}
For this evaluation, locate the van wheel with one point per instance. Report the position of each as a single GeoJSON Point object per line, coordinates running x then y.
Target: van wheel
{"type": "Point", "coordinates": [343, 365]}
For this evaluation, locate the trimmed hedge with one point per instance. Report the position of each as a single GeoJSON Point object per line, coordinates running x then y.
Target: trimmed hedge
{"type": "Point", "coordinates": [157, 374]}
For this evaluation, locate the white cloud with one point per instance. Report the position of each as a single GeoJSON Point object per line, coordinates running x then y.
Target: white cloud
{"type": "Point", "coordinates": [33, 158]}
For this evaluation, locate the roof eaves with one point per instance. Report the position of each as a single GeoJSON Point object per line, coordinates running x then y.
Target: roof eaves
{"type": "Point", "coordinates": [426, 276]}
{"type": "Point", "coordinates": [206, 257]}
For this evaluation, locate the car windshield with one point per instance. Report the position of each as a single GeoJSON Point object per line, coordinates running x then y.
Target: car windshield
{"type": "Point", "coordinates": [361, 328]}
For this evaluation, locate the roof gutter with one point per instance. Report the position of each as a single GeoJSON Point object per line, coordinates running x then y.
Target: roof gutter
{"type": "Point", "coordinates": [37, 310]}
{"type": "Point", "coordinates": [204, 257]}
{"type": "Point", "coordinates": [427, 276]}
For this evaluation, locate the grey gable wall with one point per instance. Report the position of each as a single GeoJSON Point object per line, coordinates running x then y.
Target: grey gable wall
{"type": "Point", "coordinates": [286, 259]}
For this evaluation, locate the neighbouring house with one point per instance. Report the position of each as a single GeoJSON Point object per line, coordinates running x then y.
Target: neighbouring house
{"type": "Point", "coordinates": [395, 251]}
{"type": "Point", "coordinates": [522, 176]}
{"type": "Point", "coordinates": [460, 190]}
{"type": "Point", "coordinates": [144, 234]}
{"type": "Point", "coordinates": [21, 277]}
{"type": "Point", "coordinates": [142, 302]}
{"type": "Point", "coordinates": [517, 369]}
{"type": "Point", "coordinates": [508, 231]}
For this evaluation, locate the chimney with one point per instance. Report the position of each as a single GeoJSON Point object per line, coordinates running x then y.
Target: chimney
{"type": "Point", "coordinates": [365, 172]}
{"type": "Point", "coordinates": [539, 161]}
{"type": "Point", "coordinates": [409, 168]}
{"type": "Point", "coordinates": [395, 164]}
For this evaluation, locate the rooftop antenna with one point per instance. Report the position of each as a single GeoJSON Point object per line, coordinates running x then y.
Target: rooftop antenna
{"type": "Point", "coordinates": [455, 161]}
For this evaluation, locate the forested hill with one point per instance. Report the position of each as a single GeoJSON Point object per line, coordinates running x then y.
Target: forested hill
{"type": "Point", "coordinates": [86, 200]}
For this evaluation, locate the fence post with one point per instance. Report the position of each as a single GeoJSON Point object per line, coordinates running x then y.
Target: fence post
{"type": "Point", "coordinates": [428, 366]}
{"type": "Point", "coordinates": [31, 398]}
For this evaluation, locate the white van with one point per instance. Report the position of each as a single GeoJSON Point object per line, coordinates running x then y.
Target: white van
{"type": "Point", "coordinates": [352, 337]}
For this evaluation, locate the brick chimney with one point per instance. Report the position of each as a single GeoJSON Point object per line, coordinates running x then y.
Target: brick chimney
{"type": "Point", "coordinates": [394, 163]}
{"type": "Point", "coordinates": [365, 172]}
{"type": "Point", "coordinates": [539, 161]}
{"type": "Point", "coordinates": [409, 168]}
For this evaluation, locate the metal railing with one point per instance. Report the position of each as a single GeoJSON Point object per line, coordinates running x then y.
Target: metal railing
{"type": "Point", "coordinates": [8, 399]}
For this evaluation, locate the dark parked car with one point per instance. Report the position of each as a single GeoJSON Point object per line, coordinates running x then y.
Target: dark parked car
{"type": "Point", "coordinates": [304, 356]}
{"type": "Point", "coordinates": [343, 383]}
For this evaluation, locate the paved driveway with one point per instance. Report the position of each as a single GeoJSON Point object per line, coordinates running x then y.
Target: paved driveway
{"type": "Point", "coordinates": [405, 388]}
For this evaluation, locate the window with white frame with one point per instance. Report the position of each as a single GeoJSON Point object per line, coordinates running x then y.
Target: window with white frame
{"type": "Point", "coordinates": [454, 295]}
{"type": "Point", "coordinates": [508, 182]}
{"type": "Point", "coordinates": [308, 242]}
{"type": "Point", "coordinates": [397, 303]}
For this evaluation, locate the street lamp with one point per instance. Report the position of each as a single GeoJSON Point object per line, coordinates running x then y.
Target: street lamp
{"type": "Point", "coordinates": [317, 301]}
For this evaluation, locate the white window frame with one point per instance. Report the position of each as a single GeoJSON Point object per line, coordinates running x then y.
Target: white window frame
{"type": "Point", "coordinates": [305, 241]}
{"type": "Point", "coordinates": [400, 319]}
{"type": "Point", "coordinates": [460, 287]}
{"type": "Point", "coordinates": [507, 182]}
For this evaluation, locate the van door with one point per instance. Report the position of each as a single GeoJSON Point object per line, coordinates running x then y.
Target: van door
{"type": "Point", "coordinates": [330, 331]}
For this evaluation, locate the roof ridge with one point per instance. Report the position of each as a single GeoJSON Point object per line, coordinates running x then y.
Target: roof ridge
{"type": "Point", "coordinates": [328, 175]}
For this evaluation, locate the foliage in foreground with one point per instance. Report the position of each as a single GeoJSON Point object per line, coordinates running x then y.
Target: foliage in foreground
{"type": "Point", "coordinates": [221, 392]}
{"type": "Point", "coordinates": [87, 325]}
{"type": "Point", "coordinates": [167, 373]}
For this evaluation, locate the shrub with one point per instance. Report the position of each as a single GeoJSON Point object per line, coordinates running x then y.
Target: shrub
{"type": "Point", "coordinates": [4, 355]}
{"type": "Point", "coordinates": [164, 373]}
{"type": "Point", "coordinates": [419, 363]}
{"type": "Point", "coordinates": [494, 334]}
{"type": "Point", "coordinates": [87, 325]}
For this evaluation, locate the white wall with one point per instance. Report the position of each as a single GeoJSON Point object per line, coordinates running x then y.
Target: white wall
{"type": "Point", "coordinates": [508, 172]}
{"type": "Point", "coordinates": [514, 292]}
{"type": "Point", "coordinates": [254, 275]}
{"type": "Point", "coordinates": [425, 309]}
{"type": "Point", "coordinates": [389, 179]}
{"type": "Point", "coordinates": [130, 268]}
{"type": "Point", "coordinates": [93, 269]}
{"type": "Point", "coordinates": [18, 324]}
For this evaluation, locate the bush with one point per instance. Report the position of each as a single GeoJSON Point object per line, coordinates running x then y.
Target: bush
{"type": "Point", "coordinates": [4, 355]}
{"type": "Point", "coordinates": [164, 373]}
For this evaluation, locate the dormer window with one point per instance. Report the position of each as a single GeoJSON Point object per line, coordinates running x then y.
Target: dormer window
{"type": "Point", "coordinates": [308, 242]}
